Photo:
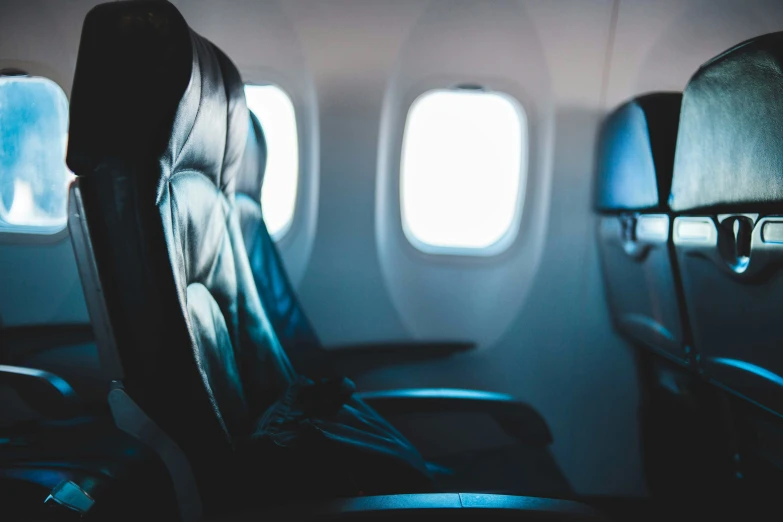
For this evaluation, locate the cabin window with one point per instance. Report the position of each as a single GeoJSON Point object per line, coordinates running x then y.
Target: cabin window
{"type": "Point", "coordinates": [275, 111]}
{"type": "Point", "coordinates": [33, 136]}
{"type": "Point", "coordinates": [462, 171]}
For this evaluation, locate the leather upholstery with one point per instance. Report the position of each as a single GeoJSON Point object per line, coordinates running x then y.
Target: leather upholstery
{"type": "Point", "coordinates": [636, 154]}
{"type": "Point", "coordinates": [199, 354]}
{"type": "Point", "coordinates": [157, 180]}
{"type": "Point", "coordinates": [729, 152]}
{"type": "Point", "coordinates": [293, 328]}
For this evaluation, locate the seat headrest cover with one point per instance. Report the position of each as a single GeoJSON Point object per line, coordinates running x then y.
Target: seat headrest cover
{"type": "Point", "coordinates": [140, 67]}
{"type": "Point", "coordinates": [251, 175]}
{"type": "Point", "coordinates": [730, 144]}
{"type": "Point", "coordinates": [636, 153]}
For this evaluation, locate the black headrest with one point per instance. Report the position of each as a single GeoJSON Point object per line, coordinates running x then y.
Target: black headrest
{"type": "Point", "coordinates": [251, 174]}
{"type": "Point", "coordinates": [730, 145]}
{"type": "Point", "coordinates": [636, 153]}
{"type": "Point", "coordinates": [148, 90]}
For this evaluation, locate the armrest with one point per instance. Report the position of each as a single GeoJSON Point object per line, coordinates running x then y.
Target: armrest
{"type": "Point", "coordinates": [516, 418]}
{"type": "Point", "coordinates": [46, 393]}
{"type": "Point", "coordinates": [356, 359]}
{"type": "Point", "coordinates": [421, 507]}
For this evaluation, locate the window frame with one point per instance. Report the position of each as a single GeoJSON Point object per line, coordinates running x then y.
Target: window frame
{"type": "Point", "coordinates": [30, 234]}
{"type": "Point", "coordinates": [285, 232]}
{"type": "Point", "coordinates": [511, 233]}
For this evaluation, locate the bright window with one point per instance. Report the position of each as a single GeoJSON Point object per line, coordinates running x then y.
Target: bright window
{"type": "Point", "coordinates": [275, 112]}
{"type": "Point", "coordinates": [33, 135]}
{"type": "Point", "coordinates": [462, 171]}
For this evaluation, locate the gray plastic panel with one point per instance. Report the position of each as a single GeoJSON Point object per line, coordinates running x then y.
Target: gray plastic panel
{"type": "Point", "coordinates": [732, 274]}
{"type": "Point", "coordinates": [639, 277]}
{"type": "Point", "coordinates": [91, 285]}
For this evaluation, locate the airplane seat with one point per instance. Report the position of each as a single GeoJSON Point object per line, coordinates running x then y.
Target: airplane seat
{"type": "Point", "coordinates": [727, 189]}
{"type": "Point", "coordinates": [197, 367]}
{"type": "Point", "coordinates": [523, 464]}
{"type": "Point", "coordinates": [634, 172]}
{"type": "Point", "coordinates": [156, 180]}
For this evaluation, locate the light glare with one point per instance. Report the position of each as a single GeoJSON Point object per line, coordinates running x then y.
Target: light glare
{"type": "Point", "coordinates": [461, 168]}
{"type": "Point", "coordinates": [275, 112]}
{"type": "Point", "coordinates": [33, 137]}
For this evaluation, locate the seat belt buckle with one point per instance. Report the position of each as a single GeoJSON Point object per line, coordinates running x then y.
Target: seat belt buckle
{"type": "Point", "coordinates": [69, 495]}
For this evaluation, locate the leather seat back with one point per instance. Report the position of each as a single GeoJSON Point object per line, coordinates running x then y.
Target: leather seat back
{"type": "Point", "coordinates": [158, 134]}
{"type": "Point", "coordinates": [635, 157]}
{"type": "Point", "coordinates": [293, 328]}
{"type": "Point", "coordinates": [728, 184]}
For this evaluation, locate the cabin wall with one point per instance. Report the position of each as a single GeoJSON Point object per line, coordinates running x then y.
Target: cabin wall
{"type": "Point", "coordinates": [537, 311]}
